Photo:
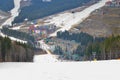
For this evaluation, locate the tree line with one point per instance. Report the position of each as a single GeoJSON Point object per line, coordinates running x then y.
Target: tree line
{"type": "Point", "coordinates": [19, 35]}
{"type": "Point", "coordinates": [82, 38]}
{"type": "Point", "coordinates": [11, 51]}
{"type": "Point", "coordinates": [90, 48]}
{"type": "Point", "coordinates": [106, 50]}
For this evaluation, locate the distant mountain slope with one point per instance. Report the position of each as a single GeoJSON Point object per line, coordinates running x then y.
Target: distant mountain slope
{"type": "Point", "coordinates": [40, 9]}
{"type": "Point", "coordinates": [6, 5]}
{"type": "Point", "coordinates": [102, 22]}
{"type": "Point", "coordinates": [3, 16]}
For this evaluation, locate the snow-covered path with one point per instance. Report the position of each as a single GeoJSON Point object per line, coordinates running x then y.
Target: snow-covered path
{"type": "Point", "coordinates": [14, 13]}
{"type": "Point", "coordinates": [46, 58]}
{"type": "Point", "coordinates": [103, 70]}
{"type": "Point", "coordinates": [67, 20]}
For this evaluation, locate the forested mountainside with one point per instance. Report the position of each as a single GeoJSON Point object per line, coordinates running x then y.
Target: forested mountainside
{"type": "Point", "coordinates": [6, 5]}
{"type": "Point", "coordinates": [106, 50]}
{"type": "Point", "coordinates": [90, 48]}
{"type": "Point", "coordinates": [11, 51]}
{"type": "Point", "coordinates": [39, 8]}
{"type": "Point", "coordinates": [102, 22]}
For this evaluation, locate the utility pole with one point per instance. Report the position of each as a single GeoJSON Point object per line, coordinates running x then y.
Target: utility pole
{"type": "Point", "coordinates": [93, 53]}
{"type": "Point", "coordinates": [104, 56]}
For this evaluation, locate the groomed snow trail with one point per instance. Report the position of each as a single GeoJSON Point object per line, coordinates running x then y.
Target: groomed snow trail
{"type": "Point", "coordinates": [47, 58]}
{"type": "Point", "coordinates": [14, 13]}
{"type": "Point", "coordinates": [67, 20]}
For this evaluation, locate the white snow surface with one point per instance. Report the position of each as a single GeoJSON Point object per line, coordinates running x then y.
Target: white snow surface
{"type": "Point", "coordinates": [2, 17]}
{"type": "Point", "coordinates": [101, 70]}
{"type": "Point", "coordinates": [44, 46]}
{"type": "Point", "coordinates": [14, 13]}
{"type": "Point", "coordinates": [67, 20]}
{"type": "Point", "coordinates": [46, 58]}
{"type": "Point", "coordinates": [16, 28]}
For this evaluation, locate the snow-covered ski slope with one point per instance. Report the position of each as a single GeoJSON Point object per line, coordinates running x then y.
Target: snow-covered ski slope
{"type": "Point", "coordinates": [67, 20]}
{"type": "Point", "coordinates": [14, 13]}
{"type": "Point", "coordinates": [103, 70]}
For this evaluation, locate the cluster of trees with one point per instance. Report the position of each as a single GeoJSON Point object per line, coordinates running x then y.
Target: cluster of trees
{"type": "Point", "coordinates": [91, 48]}
{"type": "Point", "coordinates": [6, 5]}
{"type": "Point", "coordinates": [14, 51]}
{"type": "Point", "coordinates": [19, 35]}
{"type": "Point", "coordinates": [77, 54]}
{"type": "Point", "coordinates": [82, 38]}
{"type": "Point", "coordinates": [106, 50]}
{"type": "Point", "coordinates": [58, 50]}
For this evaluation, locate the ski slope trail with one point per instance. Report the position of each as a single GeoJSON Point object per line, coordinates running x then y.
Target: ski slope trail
{"type": "Point", "coordinates": [46, 58]}
{"type": "Point", "coordinates": [14, 13]}
{"type": "Point", "coordinates": [67, 20]}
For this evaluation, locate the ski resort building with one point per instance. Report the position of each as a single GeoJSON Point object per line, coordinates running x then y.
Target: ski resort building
{"type": "Point", "coordinates": [42, 31]}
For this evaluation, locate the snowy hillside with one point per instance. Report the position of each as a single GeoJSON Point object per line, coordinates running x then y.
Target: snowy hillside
{"type": "Point", "coordinates": [103, 70]}
{"type": "Point", "coordinates": [14, 12]}
{"type": "Point", "coordinates": [67, 20]}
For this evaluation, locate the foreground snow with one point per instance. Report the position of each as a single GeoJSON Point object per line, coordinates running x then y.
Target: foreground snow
{"type": "Point", "coordinates": [46, 58]}
{"type": "Point", "coordinates": [67, 20]}
{"type": "Point", "coordinates": [103, 70]}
